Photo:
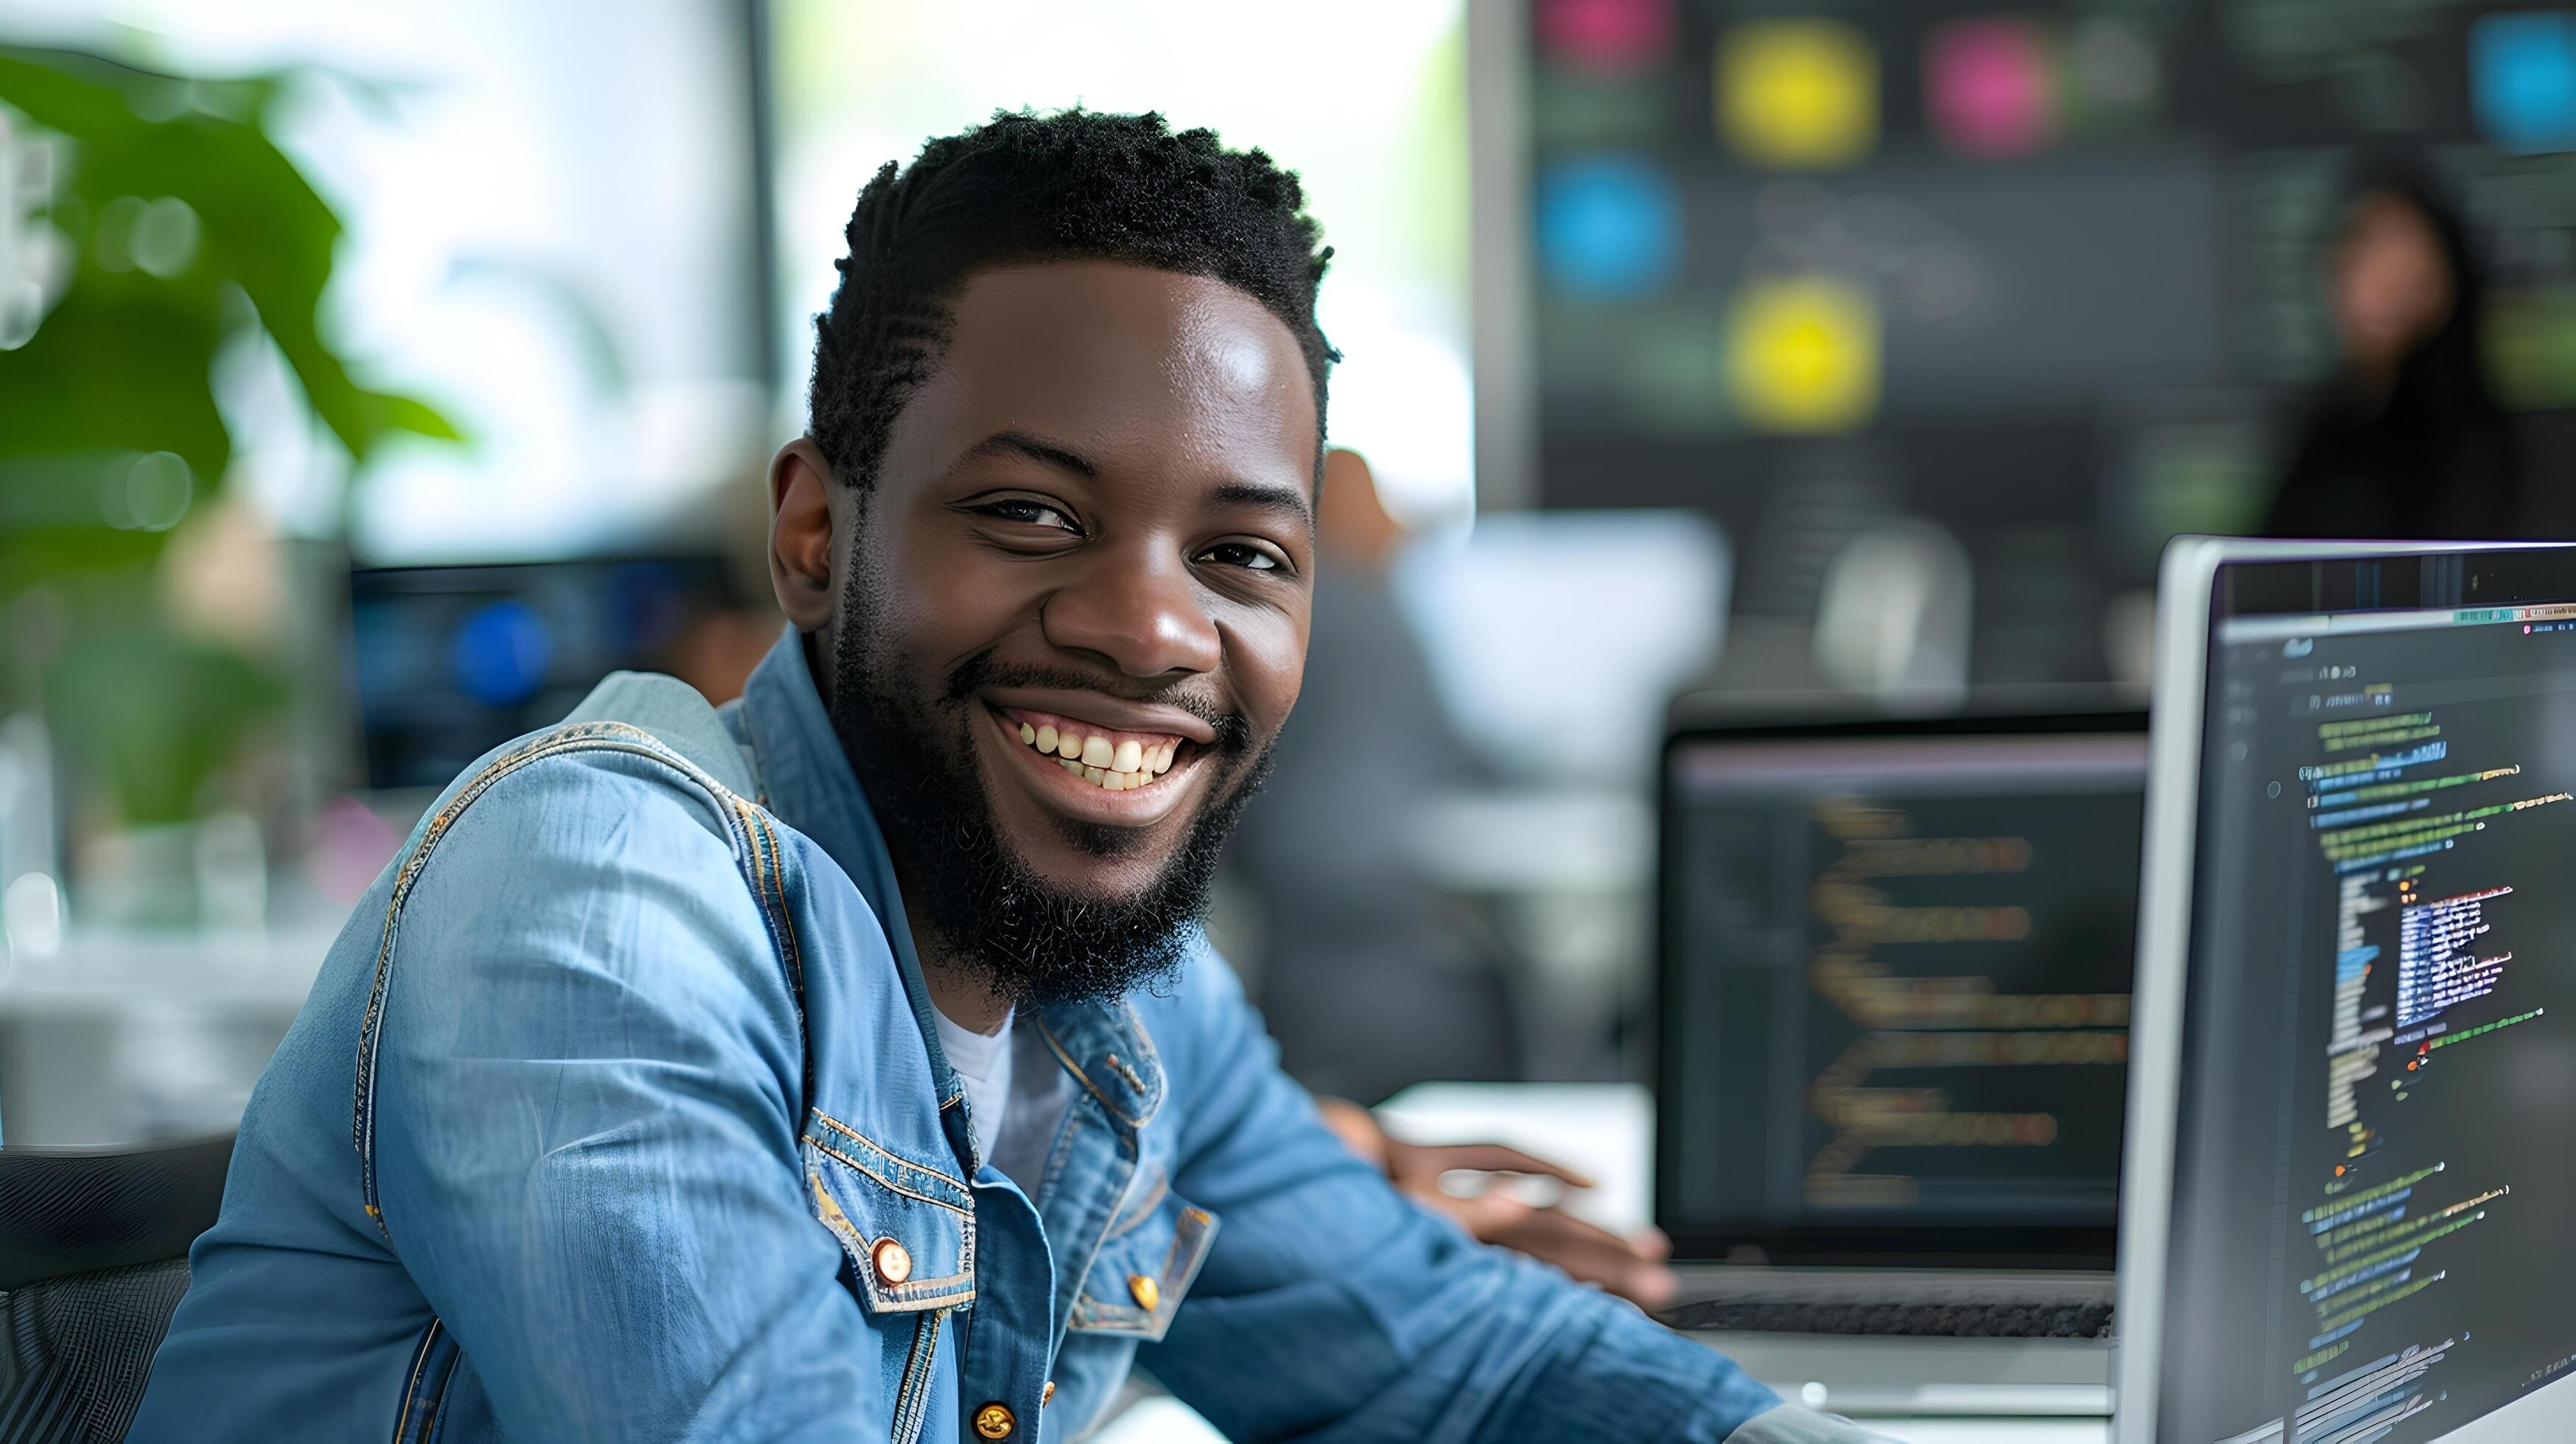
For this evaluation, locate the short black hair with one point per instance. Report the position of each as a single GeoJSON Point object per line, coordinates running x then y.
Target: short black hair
{"type": "Point", "coordinates": [1023, 188]}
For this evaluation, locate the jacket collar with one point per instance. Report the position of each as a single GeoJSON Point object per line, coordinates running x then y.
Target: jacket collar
{"type": "Point", "coordinates": [807, 782]}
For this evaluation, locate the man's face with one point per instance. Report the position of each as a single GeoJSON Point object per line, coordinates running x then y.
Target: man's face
{"type": "Point", "coordinates": [1075, 610]}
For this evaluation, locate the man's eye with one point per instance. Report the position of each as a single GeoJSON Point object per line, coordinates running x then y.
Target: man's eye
{"type": "Point", "coordinates": [1028, 513]}
{"type": "Point", "coordinates": [1242, 554]}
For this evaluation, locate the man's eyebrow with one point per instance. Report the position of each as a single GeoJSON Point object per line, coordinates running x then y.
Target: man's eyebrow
{"type": "Point", "coordinates": [1289, 499]}
{"type": "Point", "coordinates": [1020, 443]}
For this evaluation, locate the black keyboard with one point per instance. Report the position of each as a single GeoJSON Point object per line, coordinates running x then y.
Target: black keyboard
{"type": "Point", "coordinates": [1951, 1320]}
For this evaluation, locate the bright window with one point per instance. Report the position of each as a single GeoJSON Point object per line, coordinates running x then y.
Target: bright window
{"type": "Point", "coordinates": [1365, 99]}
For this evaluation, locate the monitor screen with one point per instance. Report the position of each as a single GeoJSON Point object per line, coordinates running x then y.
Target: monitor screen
{"type": "Point", "coordinates": [451, 662]}
{"type": "Point", "coordinates": [2052, 275]}
{"type": "Point", "coordinates": [2369, 1236]}
{"type": "Point", "coordinates": [1896, 991]}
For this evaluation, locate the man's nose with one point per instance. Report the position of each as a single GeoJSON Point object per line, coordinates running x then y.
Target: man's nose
{"type": "Point", "coordinates": [1144, 614]}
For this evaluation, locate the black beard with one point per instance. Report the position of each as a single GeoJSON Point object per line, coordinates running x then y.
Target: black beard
{"type": "Point", "coordinates": [1033, 940]}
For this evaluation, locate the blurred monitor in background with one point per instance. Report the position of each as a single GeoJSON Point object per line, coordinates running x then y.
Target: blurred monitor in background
{"type": "Point", "coordinates": [451, 662]}
{"type": "Point", "coordinates": [1556, 638]}
{"type": "Point", "coordinates": [2405, 439]}
{"type": "Point", "coordinates": [2044, 280]}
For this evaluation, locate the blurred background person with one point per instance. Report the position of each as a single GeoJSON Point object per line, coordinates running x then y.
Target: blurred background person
{"type": "Point", "coordinates": [2405, 439]}
{"type": "Point", "coordinates": [1368, 977]}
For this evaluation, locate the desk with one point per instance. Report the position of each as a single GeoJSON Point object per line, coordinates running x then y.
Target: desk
{"type": "Point", "coordinates": [1164, 1420]}
{"type": "Point", "coordinates": [1605, 1130]}
{"type": "Point", "coordinates": [127, 1035]}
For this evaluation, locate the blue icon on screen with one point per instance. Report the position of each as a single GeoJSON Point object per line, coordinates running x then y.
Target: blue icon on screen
{"type": "Point", "coordinates": [1608, 227]}
{"type": "Point", "coordinates": [501, 653]}
{"type": "Point", "coordinates": [2522, 72]}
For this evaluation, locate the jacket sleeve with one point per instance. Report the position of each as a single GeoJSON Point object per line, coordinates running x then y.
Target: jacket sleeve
{"type": "Point", "coordinates": [582, 1123]}
{"type": "Point", "coordinates": [1330, 1308]}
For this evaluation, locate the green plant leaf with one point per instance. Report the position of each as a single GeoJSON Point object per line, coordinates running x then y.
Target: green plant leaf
{"type": "Point", "coordinates": [124, 365]}
{"type": "Point", "coordinates": [155, 715]}
{"type": "Point", "coordinates": [262, 227]}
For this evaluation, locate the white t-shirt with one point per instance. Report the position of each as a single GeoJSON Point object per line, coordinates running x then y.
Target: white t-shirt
{"type": "Point", "coordinates": [1016, 1103]}
{"type": "Point", "coordinates": [983, 1064]}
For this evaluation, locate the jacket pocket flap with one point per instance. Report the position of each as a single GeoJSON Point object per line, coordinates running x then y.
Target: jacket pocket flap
{"type": "Point", "coordinates": [1137, 1280]}
{"type": "Point", "coordinates": [909, 1230]}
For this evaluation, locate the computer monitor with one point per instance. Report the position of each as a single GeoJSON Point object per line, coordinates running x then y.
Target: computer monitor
{"type": "Point", "coordinates": [451, 661]}
{"type": "Point", "coordinates": [1894, 988]}
{"type": "Point", "coordinates": [2345, 1216]}
{"type": "Point", "coordinates": [2047, 275]}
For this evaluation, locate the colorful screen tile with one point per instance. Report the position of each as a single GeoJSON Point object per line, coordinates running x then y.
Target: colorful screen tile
{"type": "Point", "coordinates": [1802, 355]}
{"type": "Point", "coordinates": [1605, 35]}
{"type": "Point", "coordinates": [1990, 87]}
{"type": "Point", "coordinates": [2522, 74]}
{"type": "Point", "coordinates": [1797, 94]}
{"type": "Point", "coordinates": [1608, 226]}
{"type": "Point", "coordinates": [2116, 72]}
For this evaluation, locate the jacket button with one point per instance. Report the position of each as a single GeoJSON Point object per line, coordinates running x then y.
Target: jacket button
{"type": "Point", "coordinates": [893, 1262]}
{"type": "Point", "coordinates": [1046, 1395]}
{"type": "Point", "coordinates": [995, 1421]}
{"type": "Point", "coordinates": [1148, 1293]}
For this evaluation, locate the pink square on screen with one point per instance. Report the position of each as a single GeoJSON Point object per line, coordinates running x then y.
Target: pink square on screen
{"type": "Point", "coordinates": [1606, 34]}
{"type": "Point", "coordinates": [1988, 87]}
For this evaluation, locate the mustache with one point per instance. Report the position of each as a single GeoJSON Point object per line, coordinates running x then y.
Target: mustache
{"type": "Point", "coordinates": [980, 671]}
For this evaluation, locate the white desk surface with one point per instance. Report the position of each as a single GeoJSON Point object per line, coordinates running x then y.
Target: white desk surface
{"type": "Point", "coordinates": [1169, 1421]}
{"type": "Point", "coordinates": [112, 974]}
{"type": "Point", "coordinates": [1607, 1131]}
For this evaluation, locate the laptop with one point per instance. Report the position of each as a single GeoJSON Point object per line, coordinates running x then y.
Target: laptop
{"type": "Point", "coordinates": [1894, 969]}
{"type": "Point", "coordinates": [2346, 1215]}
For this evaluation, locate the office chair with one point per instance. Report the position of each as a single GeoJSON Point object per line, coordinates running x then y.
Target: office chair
{"type": "Point", "coordinates": [93, 1259]}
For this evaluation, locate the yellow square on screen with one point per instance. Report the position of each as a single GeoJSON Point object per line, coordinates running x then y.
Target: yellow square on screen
{"type": "Point", "coordinates": [1802, 355]}
{"type": "Point", "coordinates": [1797, 94]}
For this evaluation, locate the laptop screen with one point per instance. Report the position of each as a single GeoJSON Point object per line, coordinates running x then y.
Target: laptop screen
{"type": "Point", "coordinates": [2370, 1231]}
{"type": "Point", "coordinates": [1896, 967]}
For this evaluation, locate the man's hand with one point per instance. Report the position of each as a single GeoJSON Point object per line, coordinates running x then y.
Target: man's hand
{"type": "Point", "coordinates": [1631, 1267]}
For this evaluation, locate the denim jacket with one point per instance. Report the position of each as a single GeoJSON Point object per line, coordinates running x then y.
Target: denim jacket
{"type": "Point", "coordinates": [616, 1112]}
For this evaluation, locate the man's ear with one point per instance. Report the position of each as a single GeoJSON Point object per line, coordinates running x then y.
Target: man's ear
{"type": "Point", "coordinates": [800, 534]}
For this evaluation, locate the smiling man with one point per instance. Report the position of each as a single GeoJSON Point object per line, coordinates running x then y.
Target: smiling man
{"type": "Point", "coordinates": [848, 1065]}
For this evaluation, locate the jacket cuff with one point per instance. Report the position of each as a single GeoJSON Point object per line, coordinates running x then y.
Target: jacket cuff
{"type": "Point", "coordinates": [1791, 1424]}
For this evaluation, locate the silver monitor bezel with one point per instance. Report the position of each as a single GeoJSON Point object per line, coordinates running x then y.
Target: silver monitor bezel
{"type": "Point", "coordinates": [2184, 599]}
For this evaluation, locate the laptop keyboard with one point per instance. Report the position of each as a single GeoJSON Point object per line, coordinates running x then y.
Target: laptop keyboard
{"type": "Point", "coordinates": [1954, 1320]}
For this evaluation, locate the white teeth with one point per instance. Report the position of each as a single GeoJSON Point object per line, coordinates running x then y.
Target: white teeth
{"type": "Point", "coordinates": [1110, 766]}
